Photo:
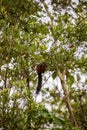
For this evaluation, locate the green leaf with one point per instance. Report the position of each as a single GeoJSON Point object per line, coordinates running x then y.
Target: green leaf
{"type": "Point", "coordinates": [54, 75]}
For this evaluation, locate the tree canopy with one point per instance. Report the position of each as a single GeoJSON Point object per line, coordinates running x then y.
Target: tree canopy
{"type": "Point", "coordinates": [33, 32]}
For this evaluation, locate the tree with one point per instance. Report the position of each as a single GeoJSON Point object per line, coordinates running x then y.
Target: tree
{"type": "Point", "coordinates": [27, 39]}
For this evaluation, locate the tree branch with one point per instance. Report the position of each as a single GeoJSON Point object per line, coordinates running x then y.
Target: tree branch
{"type": "Point", "coordinates": [67, 98]}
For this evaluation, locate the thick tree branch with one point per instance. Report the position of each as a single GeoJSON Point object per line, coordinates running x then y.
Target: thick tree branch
{"type": "Point", "coordinates": [67, 98]}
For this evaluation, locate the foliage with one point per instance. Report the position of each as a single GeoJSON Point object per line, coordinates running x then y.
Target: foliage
{"type": "Point", "coordinates": [79, 104]}
{"type": "Point", "coordinates": [32, 32]}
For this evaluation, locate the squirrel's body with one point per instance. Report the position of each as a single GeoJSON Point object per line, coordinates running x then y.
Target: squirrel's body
{"type": "Point", "coordinates": [40, 69]}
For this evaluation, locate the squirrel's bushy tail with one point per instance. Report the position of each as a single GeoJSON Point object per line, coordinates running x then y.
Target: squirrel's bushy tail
{"type": "Point", "coordinates": [39, 83]}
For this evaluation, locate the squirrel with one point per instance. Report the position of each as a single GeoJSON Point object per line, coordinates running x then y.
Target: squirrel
{"type": "Point", "coordinates": [40, 69]}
